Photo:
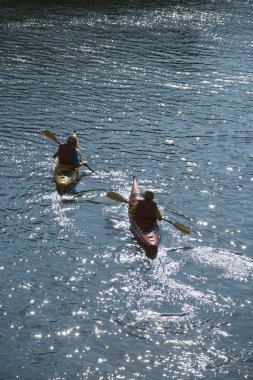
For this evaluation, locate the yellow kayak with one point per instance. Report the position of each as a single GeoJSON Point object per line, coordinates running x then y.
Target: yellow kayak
{"type": "Point", "coordinates": [66, 176]}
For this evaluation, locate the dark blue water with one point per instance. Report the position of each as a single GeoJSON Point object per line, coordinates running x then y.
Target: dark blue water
{"type": "Point", "coordinates": [160, 90]}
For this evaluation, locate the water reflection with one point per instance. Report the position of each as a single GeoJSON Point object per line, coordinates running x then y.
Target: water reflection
{"type": "Point", "coordinates": [155, 90]}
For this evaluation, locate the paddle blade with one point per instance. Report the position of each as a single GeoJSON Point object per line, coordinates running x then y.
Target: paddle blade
{"type": "Point", "coordinates": [115, 196]}
{"type": "Point", "coordinates": [181, 227]}
{"type": "Point", "coordinates": [49, 134]}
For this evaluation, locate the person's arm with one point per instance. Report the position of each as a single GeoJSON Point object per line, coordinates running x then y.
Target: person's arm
{"type": "Point", "coordinates": [76, 160]}
{"type": "Point", "coordinates": [133, 209]}
{"type": "Point", "coordinates": [158, 214]}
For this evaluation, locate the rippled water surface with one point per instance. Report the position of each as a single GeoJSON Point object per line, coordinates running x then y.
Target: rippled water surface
{"type": "Point", "coordinates": [157, 89]}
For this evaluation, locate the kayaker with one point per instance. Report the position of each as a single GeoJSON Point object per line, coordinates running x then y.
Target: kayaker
{"type": "Point", "coordinates": [68, 152]}
{"type": "Point", "coordinates": [146, 208]}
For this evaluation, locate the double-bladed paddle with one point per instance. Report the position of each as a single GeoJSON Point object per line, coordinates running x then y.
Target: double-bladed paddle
{"type": "Point", "coordinates": [181, 227]}
{"type": "Point", "coordinates": [49, 134]}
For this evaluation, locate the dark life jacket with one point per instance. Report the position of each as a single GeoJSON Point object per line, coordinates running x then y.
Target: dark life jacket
{"type": "Point", "coordinates": [65, 154]}
{"type": "Point", "coordinates": [146, 210]}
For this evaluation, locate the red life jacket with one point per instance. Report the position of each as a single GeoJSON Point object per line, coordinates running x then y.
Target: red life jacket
{"type": "Point", "coordinates": [65, 154]}
{"type": "Point", "coordinates": [146, 210]}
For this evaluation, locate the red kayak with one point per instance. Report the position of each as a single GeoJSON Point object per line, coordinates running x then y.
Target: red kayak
{"type": "Point", "coordinates": [147, 234]}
